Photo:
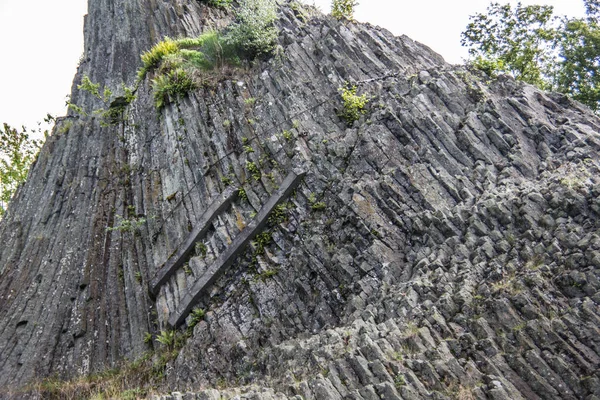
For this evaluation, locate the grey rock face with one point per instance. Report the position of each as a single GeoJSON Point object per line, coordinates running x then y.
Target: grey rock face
{"type": "Point", "coordinates": [445, 246]}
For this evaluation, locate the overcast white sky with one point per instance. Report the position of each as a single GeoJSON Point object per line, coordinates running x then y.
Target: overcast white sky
{"type": "Point", "coordinates": [42, 41]}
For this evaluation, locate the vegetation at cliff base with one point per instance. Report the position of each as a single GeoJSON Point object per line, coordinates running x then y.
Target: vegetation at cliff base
{"type": "Point", "coordinates": [129, 380]}
{"type": "Point", "coordinates": [533, 45]}
{"type": "Point", "coordinates": [17, 152]}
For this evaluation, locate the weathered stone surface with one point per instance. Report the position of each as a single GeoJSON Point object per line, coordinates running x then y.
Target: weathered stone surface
{"type": "Point", "coordinates": [185, 250]}
{"type": "Point", "coordinates": [457, 253]}
{"type": "Point", "coordinates": [234, 249]}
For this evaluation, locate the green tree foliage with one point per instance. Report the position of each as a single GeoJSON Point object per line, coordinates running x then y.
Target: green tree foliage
{"type": "Point", "coordinates": [514, 41]}
{"type": "Point", "coordinates": [343, 9]}
{"type": "Point", "coordinates": [533, 45]}
{"type": "Point", "coordinates": [577, 74]}
{"type": "Point", "coordinates": [17, 152]}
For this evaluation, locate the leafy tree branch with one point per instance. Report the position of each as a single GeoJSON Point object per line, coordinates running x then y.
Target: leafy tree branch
{"type": "Point", "coordinates": [533, 45]}
{"type": "Point", "coordinates": [17, 152]}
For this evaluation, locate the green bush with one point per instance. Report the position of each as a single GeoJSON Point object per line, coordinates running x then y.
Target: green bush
{"type": "Point", "coordinates": [343, 9]}
{"type": "Point", "coordinates": [254, 32]}
{"type": "Point", "coordinates": [354, 105]}
{"type": "Point", "coordinates": [89, 86]}
{"type": "Point", "coordinates": [213, 51]}
{"type": "Point", "coordinates": [490, 65]}
{"type": "Point", "coordinates": [116, 105]}
{"type": "Point", "coordinates": [127, 225]}
{"type": "Point", "coordinates": [207, 51]}
{"type": "Point", "coordinates": [177, 61]}
{"type": "Point", "coordinates": [153, 57]}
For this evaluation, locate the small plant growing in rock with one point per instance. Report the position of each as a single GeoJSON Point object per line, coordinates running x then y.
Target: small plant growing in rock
{"type": "Point", "coordinates": [197, 315]}
{"type": "Point", "coordinates": [242, 194]}
{"type": "Point", "coordinates": [217, 3]}
{"type": "Point", "coordinates": [201, 249]}
{"type": "Point", "coordinates": [174, 84]}
{"type": "Point", "coordinates": [318, 206]}
{"type": "Point", "coordinates": [187, 269]}
{"type": "Point", "coordinates": [268, 274]}
{"type": "Point", "coordinates": [262, 240]}
{"type": "Point", "coordinates": [343, 9]}
{"type": "Point", "coordinates": [279, 214]}
{"type": "Point", "coordinates": [287, 135]}
{"type": "Point", "coordinates": [253, 169]}
{"type": "Point", "coordinates": [354, 105]}
{"type": "Point", "coordinates": [461, 392]}
{"type": "Point", "coordinates": [116, 107]}
{"type": "Point", "coordinates": [127, 225]}
{"type": "Point", "coordinates": [167, 338]}
{"type": "Point", "coordinates": [411, 329]}
{"type": "Point", "coordinates": [227, 181]}
{"type": "Point", "coordinates": [399, 381]}
{"type": "Point", "coordinates": [88, 86]}
{"type": "Point", "coordinates": [132, 394]}
{"type": "Point", "coordinates": [66, 126]}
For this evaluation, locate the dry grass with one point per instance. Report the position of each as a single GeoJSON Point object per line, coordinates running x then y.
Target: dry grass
{"type": "Point", "coordinates": [131, 381]}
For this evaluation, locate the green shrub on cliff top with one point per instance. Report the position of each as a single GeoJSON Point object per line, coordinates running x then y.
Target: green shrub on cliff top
{"type": "Point", "coordinates": [343, 9]}
{"type": "Point", "coordinates": [254, 32]}
{"type": "Point", "coordinates": [180, 63]}
{"type": "Point", "coordinates": [153, 57]}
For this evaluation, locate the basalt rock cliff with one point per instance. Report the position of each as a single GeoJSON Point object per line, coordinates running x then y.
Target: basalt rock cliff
{"type": "Point", "coordinates": [444, 246]}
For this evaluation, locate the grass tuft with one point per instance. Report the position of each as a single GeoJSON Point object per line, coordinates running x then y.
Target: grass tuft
{"type": "Point", "coordinates": [170, 86]}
